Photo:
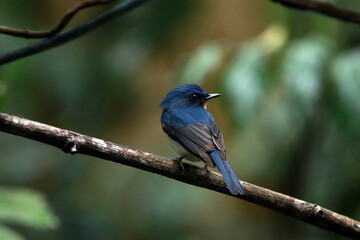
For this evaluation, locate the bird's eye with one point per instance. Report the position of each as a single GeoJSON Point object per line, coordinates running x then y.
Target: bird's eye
{"type": "Point", "coordinates": [194, 97]}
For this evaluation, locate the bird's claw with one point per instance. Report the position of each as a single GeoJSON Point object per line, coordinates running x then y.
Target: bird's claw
{"type": "Point", "coordinates": [207, 170]}
{"type": "Point", "coordinates": [179, 160]}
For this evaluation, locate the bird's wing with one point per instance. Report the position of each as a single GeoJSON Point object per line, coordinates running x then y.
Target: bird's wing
{"type": "Point", "coordinates": [199, 140]}
{"type": "Point", "coordinates": [218, 139]}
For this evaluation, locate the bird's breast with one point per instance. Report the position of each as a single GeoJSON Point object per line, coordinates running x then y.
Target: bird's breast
{"type": "Point", "coordinates": [182, 151]}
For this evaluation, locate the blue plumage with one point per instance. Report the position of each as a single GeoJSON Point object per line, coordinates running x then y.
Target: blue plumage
{"type": "Point", "coordinates": [229, 176]}
{"type": "Point", "coordinates": [193, 131]}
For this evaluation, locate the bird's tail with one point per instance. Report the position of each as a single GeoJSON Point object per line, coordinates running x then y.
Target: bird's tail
{"type": "Point", "coordinates": [229, 176]}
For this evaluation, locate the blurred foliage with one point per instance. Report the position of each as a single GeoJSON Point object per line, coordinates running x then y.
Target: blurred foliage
{"type": "Point", "coordinates": [7, 233]}
{"type": "Point", "coordinates": [201, 64]}
{"type": "Point", "coordinates": [346, 72]}
{"type": "Point", "coordinates": [24, 207]}
{"type": "Point", "coordinates": [289, 113]}
{"type": "Point", "coordinates": [302, 70]}
{"type": "Point", "coordinates": [244, 81]}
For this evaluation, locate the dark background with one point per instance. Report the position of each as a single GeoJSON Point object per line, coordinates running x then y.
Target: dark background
{"type": "Point", "coordinates": [289, 114]}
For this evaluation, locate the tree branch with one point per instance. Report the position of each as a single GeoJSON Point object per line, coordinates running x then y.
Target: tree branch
{"type": "Point", "coordinates": [323, 8]}
{"type": "Point", "coordinates": [61, 25]}
{"type": "Point", "coordinates": [72, 142]}
{"type": "Point", "coordinates": [71, 34]}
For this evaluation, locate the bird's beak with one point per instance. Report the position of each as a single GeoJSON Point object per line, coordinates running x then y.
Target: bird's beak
{"type": "Point", "coordinates": [212, 95]}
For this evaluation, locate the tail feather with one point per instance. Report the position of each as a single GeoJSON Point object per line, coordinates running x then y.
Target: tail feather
{"type": "Point", "coordinates": [230, 178]}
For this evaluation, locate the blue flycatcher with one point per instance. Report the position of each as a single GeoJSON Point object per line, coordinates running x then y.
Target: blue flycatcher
{"type": "Point", "coordinates": [193, 132]}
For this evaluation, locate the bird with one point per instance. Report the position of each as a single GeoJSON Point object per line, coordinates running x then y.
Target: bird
{"type": "Point", "coordinates": [193, 132]}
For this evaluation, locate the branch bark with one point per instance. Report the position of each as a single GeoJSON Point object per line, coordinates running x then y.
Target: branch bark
{"type": "Point", "coordinates": [72, 142]}
{"type": "Point", "coordinates": [71, 34]}
{"type": "Point", "coordinates": [323, 8]}
{"type": "Point", "coordinates": [61, 25]}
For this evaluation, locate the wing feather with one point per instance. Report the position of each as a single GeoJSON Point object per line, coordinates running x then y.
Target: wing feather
{"type": "Point", "coordinates": [199, 140]}
{"type": "Point", "coordinates": [218, 139]}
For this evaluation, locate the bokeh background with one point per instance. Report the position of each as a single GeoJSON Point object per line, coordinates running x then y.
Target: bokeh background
{"type": "Point", "coordinates": [289, 114]}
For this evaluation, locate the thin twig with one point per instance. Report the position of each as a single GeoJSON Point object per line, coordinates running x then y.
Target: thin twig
{"type": "Point", "coordinates": [323, 8]}
{"type": "Point", "coordinates": [61, 25]}
{"type": "Point", "coordinates": [72, 142]}
{"type": "Point", "coordinates": [71, 34]}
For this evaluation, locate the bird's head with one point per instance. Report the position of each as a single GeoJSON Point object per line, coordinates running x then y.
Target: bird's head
{"type": "Point", "coordinates": [187, 95]}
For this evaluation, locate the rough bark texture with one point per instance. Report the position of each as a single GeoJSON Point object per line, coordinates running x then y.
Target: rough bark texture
{"type": "Point", "coordinates": [72, 142]}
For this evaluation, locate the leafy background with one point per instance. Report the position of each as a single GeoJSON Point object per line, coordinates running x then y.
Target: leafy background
{"type": "Point", "coordinates": [290, 116]}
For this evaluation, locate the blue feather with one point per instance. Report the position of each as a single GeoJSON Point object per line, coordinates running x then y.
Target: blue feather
{"type": "Point", "coordinates": [229, 176]}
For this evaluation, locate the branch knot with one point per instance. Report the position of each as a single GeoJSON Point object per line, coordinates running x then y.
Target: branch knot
{"type": "Point", "coordinates": [70, 145]}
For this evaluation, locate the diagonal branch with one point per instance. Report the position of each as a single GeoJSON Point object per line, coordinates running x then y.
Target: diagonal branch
{"type": "Point", "coordinates": [61, 25]}
{"type": "Point", "coordinates": [323, 8]}
{"type": "Point", "coordinates": [71, 34]}
{"type": "Point", "coordinates": [72, 142]}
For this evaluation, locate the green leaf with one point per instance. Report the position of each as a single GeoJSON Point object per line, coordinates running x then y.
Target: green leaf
{"type": "Point", "coordinates": [346, 72]}
{"type": "Point", "coordinates": [273, 38]}
{"type": "Point", "coordinates": [244, 80]}
{"type": "Point", "coordinates": [302, 69]}
{"type": "Point", "coordinates": [9, 234]}
{"type": "Point", "coordinates": [201, 63]}
{"type": "Point", "coordinates": [346, 77]}
{"type": "Point", "coordinates": [26, 207]}
{"type": "Point", "coordinates": [6, 78]}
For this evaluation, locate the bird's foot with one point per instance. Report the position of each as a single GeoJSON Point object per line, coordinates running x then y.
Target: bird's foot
{"type": "Point", "coordinates": [207, 170]}
{"type": "Point", "coordinates": [179, 160]}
